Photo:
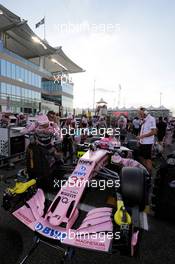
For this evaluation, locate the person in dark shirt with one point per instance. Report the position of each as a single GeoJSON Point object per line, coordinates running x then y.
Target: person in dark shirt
{"type": "Point", "coordinates": [161, 130]}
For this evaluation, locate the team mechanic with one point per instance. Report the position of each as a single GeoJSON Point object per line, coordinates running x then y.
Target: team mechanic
{"type": "Point", "coordinates": [146, 138]}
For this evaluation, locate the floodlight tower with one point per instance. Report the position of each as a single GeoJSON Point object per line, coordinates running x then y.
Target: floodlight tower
{"type": "Point", "coordinates": [119, 94]}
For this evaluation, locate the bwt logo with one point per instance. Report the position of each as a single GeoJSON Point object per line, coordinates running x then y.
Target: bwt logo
{"type": "Point", "coordinates": [61, 79]}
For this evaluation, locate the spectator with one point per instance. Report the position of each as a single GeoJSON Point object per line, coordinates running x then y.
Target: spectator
{"type": "Point", "coordinates": [161, 130]}
{"type": "Point", "coordinates": [94, 121]}
{"type": "Point", "coordinates": [129, 126]}
{"type": "Point", "coordinates": [68, 121]}
{"type": "Point", "coordinates": [73, 122]}
{"type": "Point", "coordinates": [67, 146]}
{"type": "Point", "coordinates": [57, 119]}
{"type": "Point", "coordinates": [21, 120]}
{"type": "Point", "coordinates": [169, 132]}
{"type": "Point", "coordinates": [51, 116]}
{"type": "Point", "coordinates": [5, 119]}
{"type": "Point", "coordinates": [102, 122]}
{"type": "Point", "coordinates": [90, 122]}
{"type": "Point", "coordinates": [84, 121]}
{"type": "Point", "coordinates": [136, 126]}
{"type": "Point", "coordinates": [122, 124]}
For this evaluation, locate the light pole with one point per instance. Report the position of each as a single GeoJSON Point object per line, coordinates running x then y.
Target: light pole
{"type": "Point", "coordinates": [119, 95]}
{"type": "Point", "coordinates": [160, 98]}
{"type": "Point", "coordinates": [94, 96]}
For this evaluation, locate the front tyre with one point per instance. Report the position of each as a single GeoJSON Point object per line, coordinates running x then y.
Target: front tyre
{"type": "Point", "coordinates": [133, 187]}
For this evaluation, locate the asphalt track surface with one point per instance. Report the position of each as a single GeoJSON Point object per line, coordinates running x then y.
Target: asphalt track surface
{"type": "Point", "coordinates": [157, 245]}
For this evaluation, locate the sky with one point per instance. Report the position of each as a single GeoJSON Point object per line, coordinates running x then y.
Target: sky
{"type": "Point", "coordinates": [126, 42]}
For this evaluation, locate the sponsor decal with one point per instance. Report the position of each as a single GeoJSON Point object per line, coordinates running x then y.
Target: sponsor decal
{"type": "Point", "coordinates": [82, 168]}
{"type": "Point", "coordinates": [80, 154]}
{"type": "Point", "coordinates": [65, 200]}
{"type": "Point", "coordinates": [79, 173]}
{"type": "Point", "coordinates": [90, 243]}
{"type": "Point", "coordinates": [85, 162]}
{"type": "Point", "coordinates": [74, 192]}
{"type": "Point", "coordinates": [68, 194]}
{"type": "Point", "coordinates": [50, 232]}
{"type": "Point", "coordinates": [25, 217]}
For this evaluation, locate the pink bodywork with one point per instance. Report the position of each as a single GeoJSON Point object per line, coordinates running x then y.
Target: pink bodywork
{"type": "Point", "coordinates": [127, 162]}
{"type": "Point", "coordinates": [66, 201]}
{"type": "Point", "coordinates": [63, 210]}
{"type": "Point", "coordinates": [107, 143]}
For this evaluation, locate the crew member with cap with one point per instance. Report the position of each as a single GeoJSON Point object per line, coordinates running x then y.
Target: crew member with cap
{"type": "Point", "coordinates": [146, 137]}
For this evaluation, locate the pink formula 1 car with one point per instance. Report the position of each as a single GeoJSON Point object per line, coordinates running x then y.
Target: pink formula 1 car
{"type": "Point", "coordinates": [104, 229]}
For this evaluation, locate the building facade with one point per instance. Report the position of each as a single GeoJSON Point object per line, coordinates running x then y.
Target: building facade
{"type": "Point", "coordinates": [20, 83]}
{"type": "Point", "coordinates": [60, 91]}
{"type": "Point", "coordinates": [29, 69]}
